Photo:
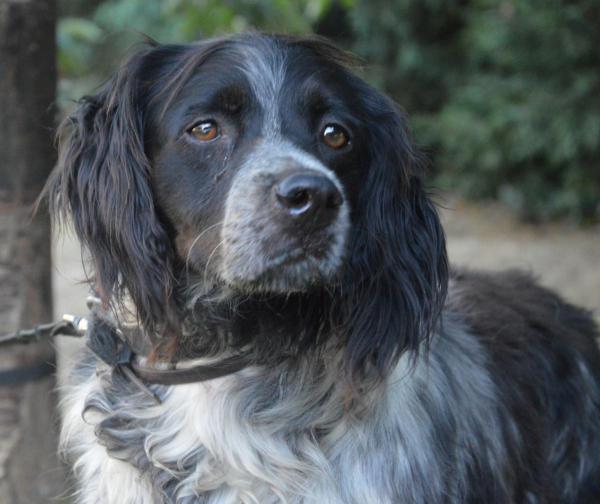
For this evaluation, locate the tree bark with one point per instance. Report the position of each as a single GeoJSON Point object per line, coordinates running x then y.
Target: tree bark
{"type": "Point", "coordinates": [29, 468]}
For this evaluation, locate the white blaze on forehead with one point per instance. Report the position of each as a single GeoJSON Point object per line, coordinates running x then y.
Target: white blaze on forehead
{"type": "Point", "coordinates": [264, 66]}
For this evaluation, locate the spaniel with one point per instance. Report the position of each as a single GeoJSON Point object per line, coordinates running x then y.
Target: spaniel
{"type": "Point", "coordinates": [255, 216]}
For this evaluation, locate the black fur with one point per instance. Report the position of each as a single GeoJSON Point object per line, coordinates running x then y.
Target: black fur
{"type": "Point", "coordinates": [538, 345]}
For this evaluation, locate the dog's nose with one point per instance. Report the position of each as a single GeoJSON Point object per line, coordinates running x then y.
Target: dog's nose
{"type": "Point", "coordinates": [309, 196]}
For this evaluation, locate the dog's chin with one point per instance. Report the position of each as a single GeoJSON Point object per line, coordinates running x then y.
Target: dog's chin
{"type": "Point", "coordinates": [294, 271]}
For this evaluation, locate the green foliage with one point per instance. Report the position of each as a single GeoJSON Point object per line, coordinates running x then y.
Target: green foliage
{"type": "Point", "coordinates": [78, 36]}
{"type": "Point", "coordinates": [506, 95]}
{"type": "Point", "coordinates": [90, 46]}
{"type": "Point", "coordinates": [413, 47]}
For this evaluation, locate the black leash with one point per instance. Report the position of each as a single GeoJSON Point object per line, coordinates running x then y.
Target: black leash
{"type": "Point", "coordinates": [69, 326]}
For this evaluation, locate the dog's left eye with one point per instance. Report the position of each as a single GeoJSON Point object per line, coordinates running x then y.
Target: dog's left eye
{"type": "Point", "coordinates": [205, 131]}
{"type": "Point", "coordinates": [335, 136]}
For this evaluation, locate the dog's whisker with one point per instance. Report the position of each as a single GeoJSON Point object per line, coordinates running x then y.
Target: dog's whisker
{"type": "Point", "coordinates": [210, 256]}
{"type": "Point", "coordinates": [195, 241]}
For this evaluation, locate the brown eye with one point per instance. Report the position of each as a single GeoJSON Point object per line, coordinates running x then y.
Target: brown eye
{"type": "Point", "coordinates": [335, 136]}
{"type": "Point", "coordinates": [205, 131]}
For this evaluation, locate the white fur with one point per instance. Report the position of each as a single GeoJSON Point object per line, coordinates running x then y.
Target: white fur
{"type": "Point", "coordinates": [273, 454]}
{"type": "Point", "coordinates": [105, 479]}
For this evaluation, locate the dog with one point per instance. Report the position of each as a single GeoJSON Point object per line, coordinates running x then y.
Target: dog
{"type": "Point", "coordinates": [251, 197]}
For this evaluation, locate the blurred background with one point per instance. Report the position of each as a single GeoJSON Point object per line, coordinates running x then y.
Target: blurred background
{"type": "Point", "coordinates": [503, 97]}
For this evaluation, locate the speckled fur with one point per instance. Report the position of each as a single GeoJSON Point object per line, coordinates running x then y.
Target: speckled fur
{"type": "Point", "coordinates": [288, 435]}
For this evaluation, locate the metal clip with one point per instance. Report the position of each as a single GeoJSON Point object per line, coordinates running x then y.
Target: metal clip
{"type": "Point", "coordinates": [79, 323]}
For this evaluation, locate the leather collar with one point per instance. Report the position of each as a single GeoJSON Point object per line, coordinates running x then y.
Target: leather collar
{"type": "Point", "coordinates": [192, 374]}
{"type": "Point", "coordinates": [112, 346]}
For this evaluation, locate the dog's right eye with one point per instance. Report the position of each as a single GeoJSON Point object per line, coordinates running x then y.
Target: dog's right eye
{"type": "Point", "coordinates": [335, 136]}
{"type": "Point", "coordinates": [205, 131]}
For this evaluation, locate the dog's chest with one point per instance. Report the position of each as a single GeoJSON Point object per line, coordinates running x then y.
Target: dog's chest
{"type": "Point", "coordinates": [282, 437]}
{"type": "Point", "coordinates": [226, 441]}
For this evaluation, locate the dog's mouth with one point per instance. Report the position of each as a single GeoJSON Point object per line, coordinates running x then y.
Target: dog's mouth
{"type": "Point", "coordinates": [282, 250]}
{"type": "Point", "coordinates": [283, 269]}
{"type": "Point", "coordinates": [264, 258]}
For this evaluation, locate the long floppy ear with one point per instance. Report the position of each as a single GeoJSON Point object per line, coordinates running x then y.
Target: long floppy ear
{"type": "Point", "coordinates": [102, 184]}
{"type": "Point", "coordinates": [398, 269]}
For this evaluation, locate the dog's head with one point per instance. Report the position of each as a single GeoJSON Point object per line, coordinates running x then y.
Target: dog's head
{"type": "Point", "coordinates": [255, 165]}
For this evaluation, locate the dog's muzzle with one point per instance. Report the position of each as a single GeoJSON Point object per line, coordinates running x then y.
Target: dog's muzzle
{"type": "Point", "coordinates": [286, 221]}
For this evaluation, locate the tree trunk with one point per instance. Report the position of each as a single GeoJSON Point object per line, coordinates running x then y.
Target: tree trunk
{"type": "Point", "coordinates": [29, 469]}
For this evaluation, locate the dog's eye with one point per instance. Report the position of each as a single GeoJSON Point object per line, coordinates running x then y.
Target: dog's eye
{"type": "Point", "coordinates": [335, 136]}
{"type": "Point", "coordinates": [205, 131]}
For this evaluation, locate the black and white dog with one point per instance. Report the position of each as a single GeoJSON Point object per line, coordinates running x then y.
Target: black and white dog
{"type": "Point", "coordinates": [251, 197]}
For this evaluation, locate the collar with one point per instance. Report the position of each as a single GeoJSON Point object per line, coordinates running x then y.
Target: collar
{"type": "Point", "coordinates": [112, 345]}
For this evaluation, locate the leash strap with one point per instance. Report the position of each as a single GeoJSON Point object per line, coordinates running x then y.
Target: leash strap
{"type": "Point", "coordinates": [68, 326]}
{"type": "Point", "coordinates": [27, 374]}
{"type": "Point", "coordinates": [18, 376]}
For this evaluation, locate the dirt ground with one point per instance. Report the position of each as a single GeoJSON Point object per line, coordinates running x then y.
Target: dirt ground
{"type": "Point", "coordinates": [564, 257]}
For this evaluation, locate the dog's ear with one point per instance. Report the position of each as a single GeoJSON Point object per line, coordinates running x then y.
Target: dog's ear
{"type": "Point", "coordinates": [398, 271]}
{"type": "Point", "coordinates": [102, 184]}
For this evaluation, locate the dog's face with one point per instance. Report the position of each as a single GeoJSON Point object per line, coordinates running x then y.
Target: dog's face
{"type": "Point", "coordinates": [249, 165]}
{"type": "Point", "coordinates": [254, 162]}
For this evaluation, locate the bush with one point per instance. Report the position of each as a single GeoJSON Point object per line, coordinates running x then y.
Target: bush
{"type": "Point", "coordinates": [93, 36]}
{"type": "Point", "coordinates": [505, 95]}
